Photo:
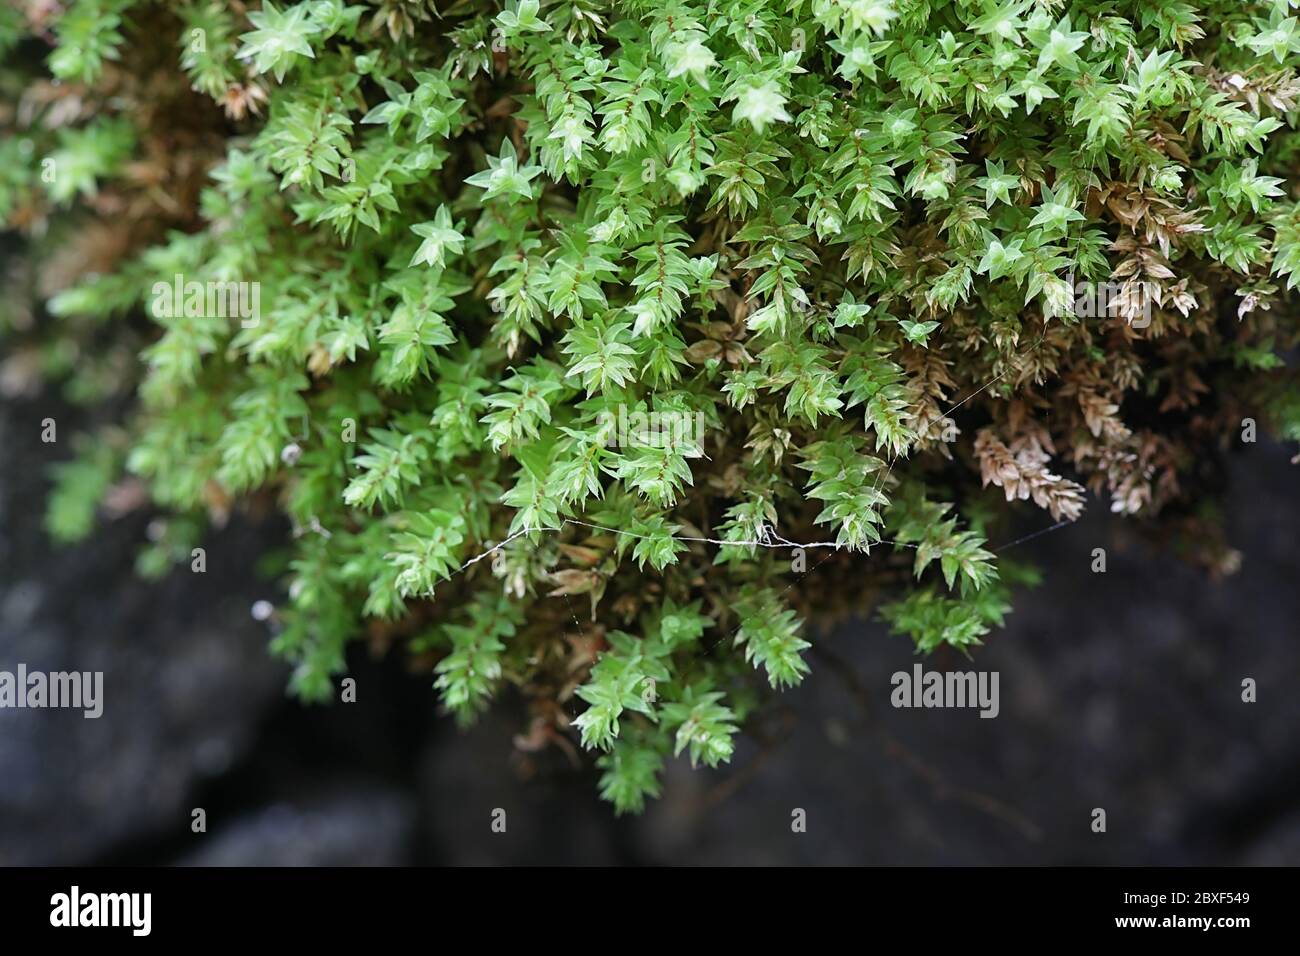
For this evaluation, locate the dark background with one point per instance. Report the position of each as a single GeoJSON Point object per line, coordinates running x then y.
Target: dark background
{"type": "Point", "coordinates": [1119, 690]}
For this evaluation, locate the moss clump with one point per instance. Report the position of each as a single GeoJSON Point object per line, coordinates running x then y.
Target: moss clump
{"type": "Point", "coordinates": [596, 346]}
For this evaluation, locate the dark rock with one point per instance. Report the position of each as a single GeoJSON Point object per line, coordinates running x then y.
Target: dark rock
{"type": "Point", "coordinates": [550, 811]}
{"type": "Point", "coordinates": [186, 673]}
{"type": "Point", "coordinates": [361, 826]}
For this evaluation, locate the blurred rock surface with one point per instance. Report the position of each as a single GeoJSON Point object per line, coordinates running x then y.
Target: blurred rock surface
{"type": "Point", "coordinates": [360, 826]}
{"type": "Point", "coordinates": [186, 675]}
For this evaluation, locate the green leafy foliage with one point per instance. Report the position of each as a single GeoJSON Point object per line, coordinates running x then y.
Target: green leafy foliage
{"type": "Point", "coordinates": [602, 345]}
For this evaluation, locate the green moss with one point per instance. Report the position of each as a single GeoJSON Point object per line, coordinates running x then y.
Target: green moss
{"type": "Point", "coordinates": [825, 257]}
